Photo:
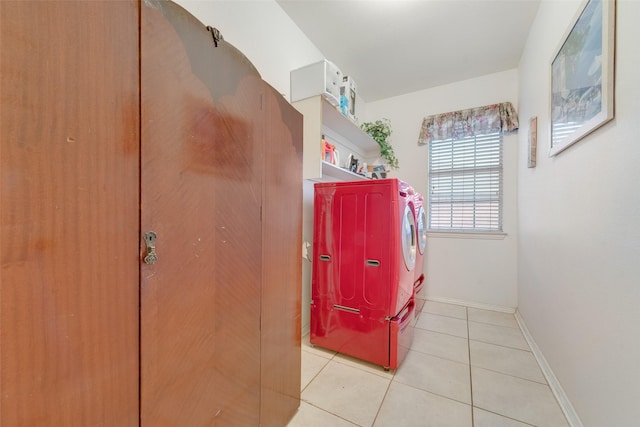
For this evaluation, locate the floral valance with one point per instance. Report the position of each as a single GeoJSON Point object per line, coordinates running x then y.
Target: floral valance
{"type": "Point", "coordinates": [465, 123]}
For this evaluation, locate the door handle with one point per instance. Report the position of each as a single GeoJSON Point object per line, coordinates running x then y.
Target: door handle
{"type": "Point", "coordinates": [150, 242]}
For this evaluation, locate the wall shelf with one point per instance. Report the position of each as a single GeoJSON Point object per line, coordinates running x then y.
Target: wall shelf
{"type": "Point", "coordinates": [322, 118]}
{"type": "Point", "coordinates": [331, 172]}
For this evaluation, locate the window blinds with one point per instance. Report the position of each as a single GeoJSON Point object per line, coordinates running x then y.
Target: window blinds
{"type": "Point", "coordinates": [465, 181]}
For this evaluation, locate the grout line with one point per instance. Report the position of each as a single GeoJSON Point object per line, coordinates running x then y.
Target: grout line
{"type": "Point", "coordinates": [324, 355]}
{"type": "Point", "coordinates": [434, 393]}
{"type": "Point", "coordinates": [331, 413]}
{"type": "Point", "coordinates": [386, 392]}
{"type": "Point", "coordinates": [437, 356]}
{"type": "Point", "coordinates": [470, 376]}
{"type": "Point", "coordinates": [365, 366]}
{"type": "Point", "coordinates": [443, 315]}
{"type": "Point", "coordinates": [517, 328]}
{"type": "Point", "coordinates": [444, 333]}
{"type": "Point", "coordinates": [473, 305]}
{"type": "Point", "coordinates": [314, 377]}
{"type": "Point", "coordinates": [511, 375]}
{"type": "Point", "coordinates": [507, 417]}
{"type": "Point", "coordinates": [503, 345]}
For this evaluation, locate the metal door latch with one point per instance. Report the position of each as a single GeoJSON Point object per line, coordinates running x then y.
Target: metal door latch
{"type": "Point", "coordinates": [150, 241]}
{"type": "Point", "coordinates": [215, 33]}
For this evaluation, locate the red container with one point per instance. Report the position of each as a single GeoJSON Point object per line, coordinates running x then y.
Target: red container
{"type": "Point", "coordinates": [363, 271]}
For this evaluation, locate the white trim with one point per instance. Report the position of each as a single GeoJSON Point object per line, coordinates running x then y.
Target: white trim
{"type": "Point", "coordinates": [565, 405]}
{"type": "Point", "coordinates": [489, 235]}
{"type": "Point", "coordinates": [472, 304]}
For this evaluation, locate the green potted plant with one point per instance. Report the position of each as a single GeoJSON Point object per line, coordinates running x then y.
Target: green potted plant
{"type": "Point", "coordinates": [380, 131]}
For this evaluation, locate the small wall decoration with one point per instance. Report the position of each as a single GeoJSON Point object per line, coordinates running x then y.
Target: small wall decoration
{"type": "Point", "coordinates": [533, 142]}
{"type": "Point", "coordinates": [582, 74]}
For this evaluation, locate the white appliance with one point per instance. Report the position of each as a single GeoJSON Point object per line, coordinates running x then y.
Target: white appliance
{"type": "Point", "coordinates": [321, 78]}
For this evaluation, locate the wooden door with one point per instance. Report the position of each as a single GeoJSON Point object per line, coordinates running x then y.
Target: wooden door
{"type": "Point", "coordinates": [202, 133]}
{"type": "Point", "coordinates": [282, 267]}
{"type": "Point", "coordinates": [69, 213]}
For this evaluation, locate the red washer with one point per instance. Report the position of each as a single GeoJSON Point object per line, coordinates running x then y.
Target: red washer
{"type": "Point", "coordinates": [365, 245]}
{"type": "Point", "coordinates": [421, 229]}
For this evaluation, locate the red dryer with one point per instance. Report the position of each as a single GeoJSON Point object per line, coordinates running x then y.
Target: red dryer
{"type": "Point", "coordinates": [365, 244]}
{"type": "Point", "coordinates": [421, 228]}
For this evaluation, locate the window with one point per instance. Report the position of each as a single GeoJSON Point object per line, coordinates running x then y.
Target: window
{"type": "Point", "coordinates": [465, 167]}
{"type": "Point", "coordinates": [465, 184]}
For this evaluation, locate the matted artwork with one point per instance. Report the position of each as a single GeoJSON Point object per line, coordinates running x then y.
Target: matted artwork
{"type": "Point", "coordinates": [582, 75]}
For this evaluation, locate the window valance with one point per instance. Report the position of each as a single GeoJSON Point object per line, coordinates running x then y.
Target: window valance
{"type": "Point", "coordinates": [466, 123]}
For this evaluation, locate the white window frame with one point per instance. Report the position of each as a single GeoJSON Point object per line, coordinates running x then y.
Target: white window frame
{"type": "Point", "coordinates": [466, 176]}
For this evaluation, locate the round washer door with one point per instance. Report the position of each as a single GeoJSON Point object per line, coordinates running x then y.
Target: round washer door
{"type": "Point", "coordinates": [408, 235]}
{"type": "Point", "coordinates": [422, 230]}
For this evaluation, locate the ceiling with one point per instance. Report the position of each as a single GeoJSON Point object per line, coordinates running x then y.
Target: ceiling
{"type": "Point", "coordinates": [393, 47]}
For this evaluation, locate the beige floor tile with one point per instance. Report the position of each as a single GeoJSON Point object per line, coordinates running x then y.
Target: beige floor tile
{"type": "Point", "coordinates": [442, 324]}
{"type": "Point", "coordinates": [317, 350]}
{"type": "Point", "coordinates": [433, 385]}
{"type": "Point", "coordinates": [310, 416]}
{"type": "Point", "coordinates": [441, 345]}
{"type": "Point", "coordinates": [499, 335]}
{"type": "Point", "coordinates": [482, 418]}
{"type": "Point", "coordinates": [440, 376]}
{"type": "Point", "coordinates": [416, 316]}
{"type": "Point", "coordinates": [492, 317]}
{"type": "Point", "coordinates": [443, 309]}
{"type": "Point", "coordinates": [312, 364]}
{"type": "Point", "coordinates": [409, 407]}
{"type": "Point", "coordinates": [506, 360]}
{"type": "Point", "coordinates": [522, 400]}
{"type": "Point", "coordinates": [347, 392]}
{"type": "Point", "coordinates": [364, 365]}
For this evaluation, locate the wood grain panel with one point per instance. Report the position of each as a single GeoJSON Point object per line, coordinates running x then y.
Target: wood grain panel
{"type": "Point", "coordinates": [202, 124]}
{"type": "Point", "coordinates": [69, 221]}
{"type": "Point", "coordinates": [282, 263]}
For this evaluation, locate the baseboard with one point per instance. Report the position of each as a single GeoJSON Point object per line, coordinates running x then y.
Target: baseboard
{"type": "Point", "coordinates": [472, 304]}
{"type": "Point", "coordinates": [565, 405]}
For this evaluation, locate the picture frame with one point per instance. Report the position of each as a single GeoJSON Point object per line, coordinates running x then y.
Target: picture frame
{"type": "Point", "coordinates": [533, 142]}
{"type": "Point", "coordinates": [582, 75]}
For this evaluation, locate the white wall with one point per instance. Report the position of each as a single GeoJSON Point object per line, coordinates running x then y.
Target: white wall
{"type": "Point", "coordinates": [579, 231]}
{"type": "Point", "coordinates": [263, 32]}
{"type": "Point", "coordinates": [475, 271]}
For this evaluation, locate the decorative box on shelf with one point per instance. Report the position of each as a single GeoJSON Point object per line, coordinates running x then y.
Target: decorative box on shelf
{"type": "Point", "coordinates": [322, 78]}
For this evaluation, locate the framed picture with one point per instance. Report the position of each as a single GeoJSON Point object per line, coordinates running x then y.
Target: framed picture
{"type": "Point", "coordinates": [582, 75]}
{"type": "Point", "coordinates": [533, 142]}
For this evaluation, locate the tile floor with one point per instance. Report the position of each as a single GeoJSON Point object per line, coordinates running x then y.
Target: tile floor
{"type": "Point", "coordinates": [467, 367]}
